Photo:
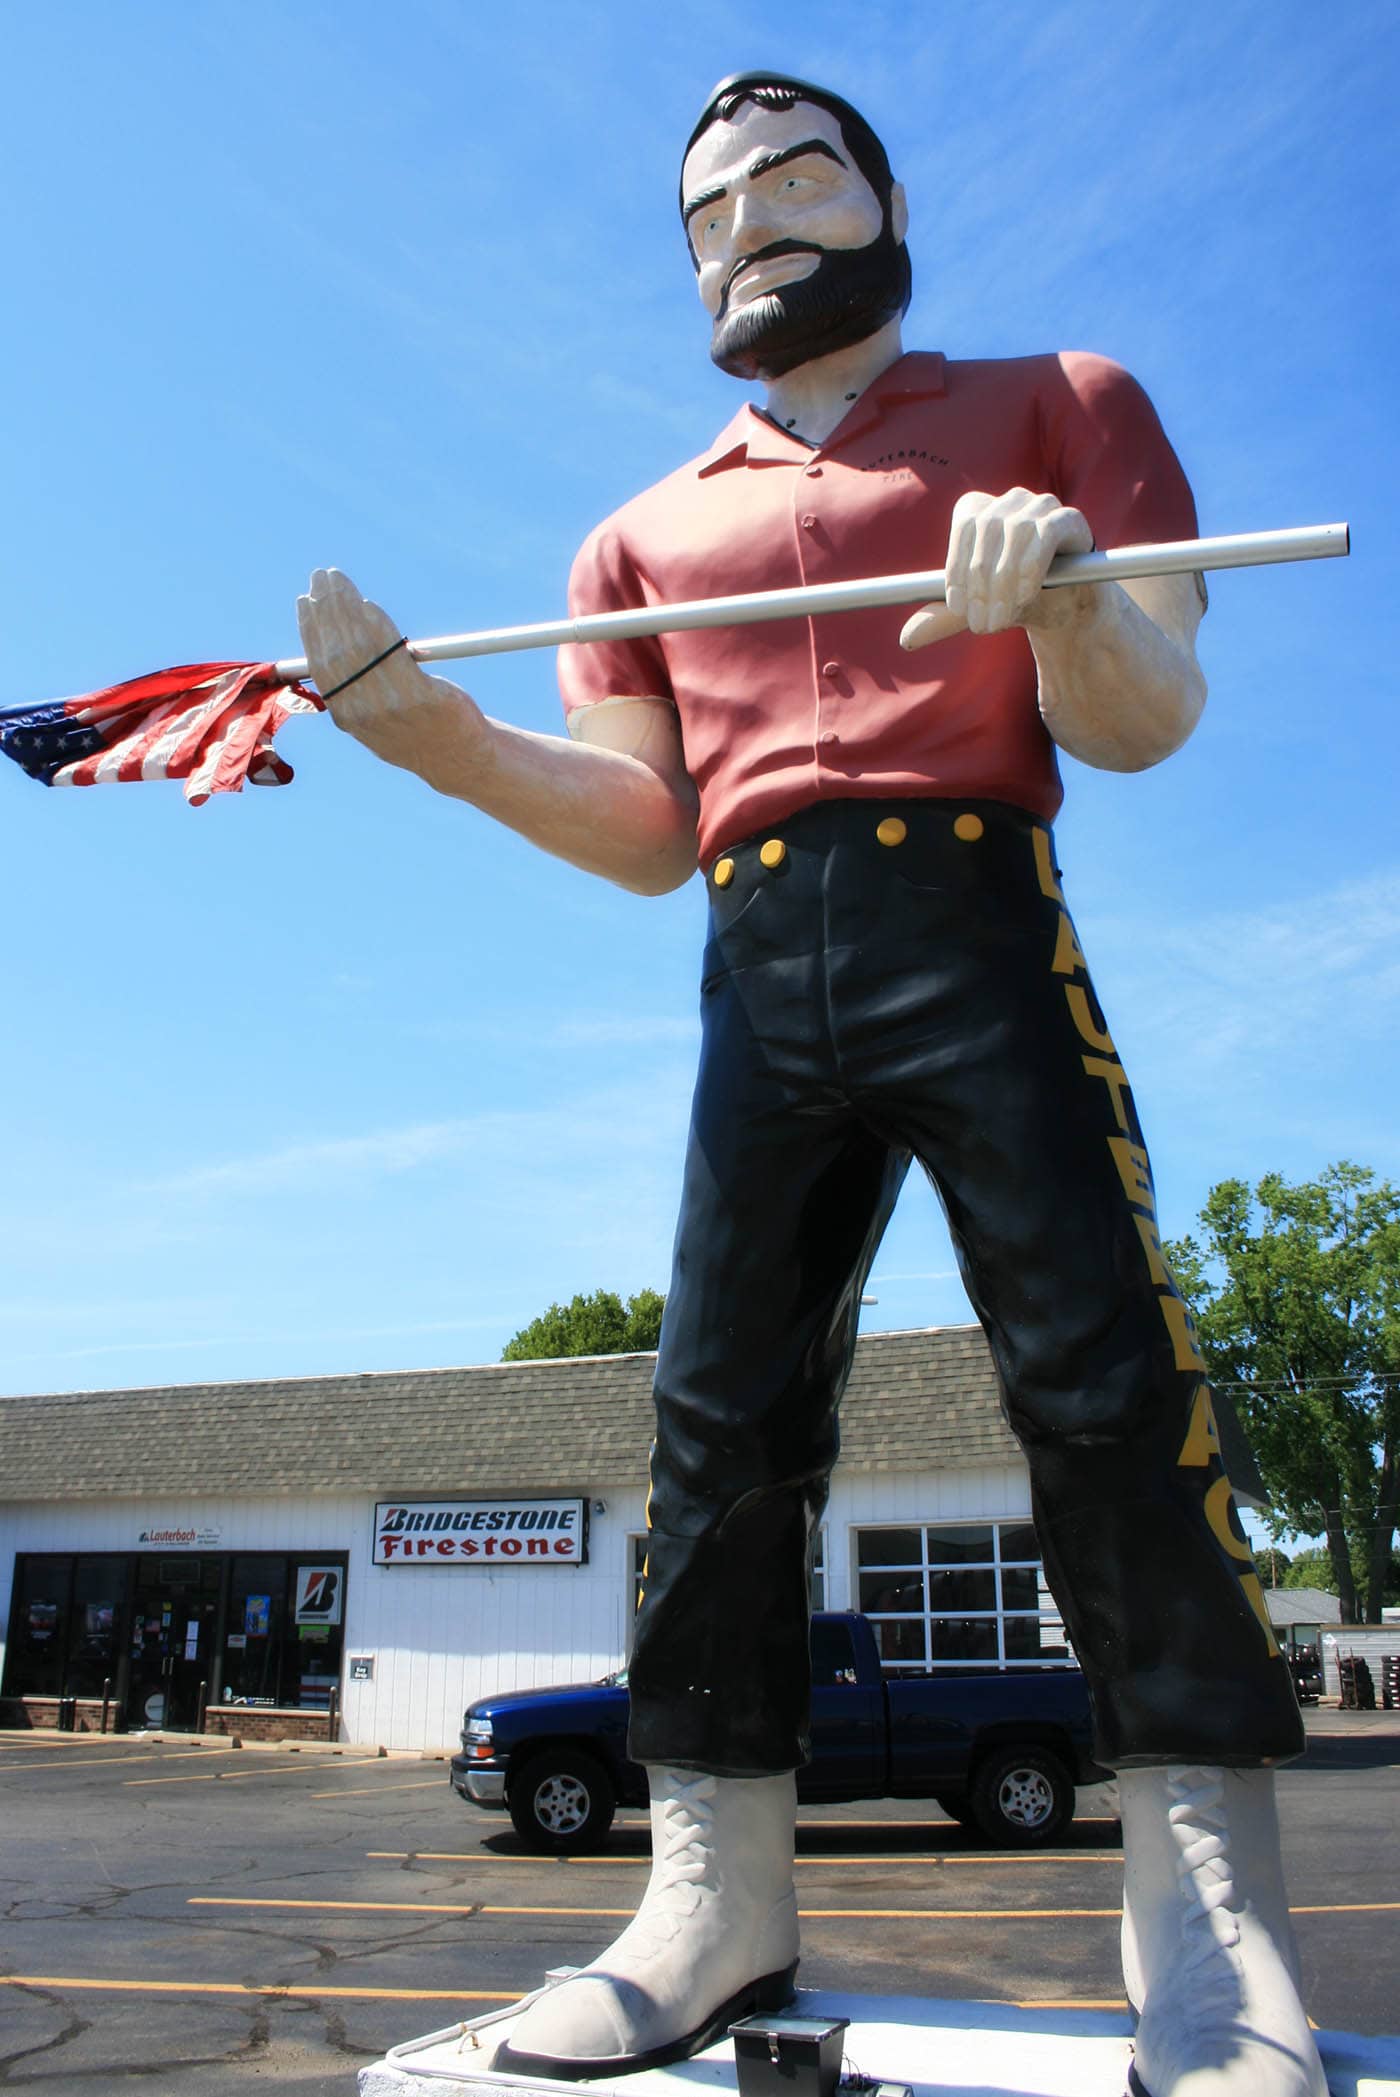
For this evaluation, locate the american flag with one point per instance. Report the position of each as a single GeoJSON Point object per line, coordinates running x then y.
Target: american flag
{"type": "Point", "coordinates": [210, 724]}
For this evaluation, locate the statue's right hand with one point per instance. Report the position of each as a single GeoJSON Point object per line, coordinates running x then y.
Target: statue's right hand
{"type": "Point", "coordinates": [423, 724]}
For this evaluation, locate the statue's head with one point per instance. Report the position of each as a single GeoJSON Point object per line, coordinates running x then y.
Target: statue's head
{"type": "Point", "coordinates": [796, 225]}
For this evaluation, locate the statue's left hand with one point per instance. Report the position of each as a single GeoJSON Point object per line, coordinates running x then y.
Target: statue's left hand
{"type": "Point", "coordinates": [999, 552]}
{"type": "Point", "coordinates": [405, 716]}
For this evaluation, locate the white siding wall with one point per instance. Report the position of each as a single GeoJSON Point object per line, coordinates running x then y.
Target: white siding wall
{"type": "Point", "coordinates": [443, 1635]}
{"type": "Point", "coordinates": [1371, 1643]}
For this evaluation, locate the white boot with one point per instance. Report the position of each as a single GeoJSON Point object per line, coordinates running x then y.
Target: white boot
{"type": "Point", "coordinates": [715, 1937]}
{"type": "Point", "coordinates": [1208, 1954]}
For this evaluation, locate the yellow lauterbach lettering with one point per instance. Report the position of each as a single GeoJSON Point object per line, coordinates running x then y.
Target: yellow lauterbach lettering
{"type": "Point", "coordinates": [1182, 1327]}
{"type": "Point", "coordinates": [1116, 1079]}
{"type": "Point", "coordinates": [1220, 1505]}
{"type": "Point", "coordinates": [1152, 1246]}
{"type": "Point", "coordinates": [1068, 955]}
{"type": "Point", "coordinates": [1202, 1436]}
{"type": "Point", "coordinates": [1045, 865]}
{"type": "Point", "coordinates": [1135, 1172]}
{"type": "Point", "coordinates": [1078, 999]}
{"type": "Point", "coordinates": [1254, 1595]}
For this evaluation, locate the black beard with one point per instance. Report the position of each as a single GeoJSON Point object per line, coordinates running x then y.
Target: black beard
{"type": "Point", "coordinates": [849, 296]}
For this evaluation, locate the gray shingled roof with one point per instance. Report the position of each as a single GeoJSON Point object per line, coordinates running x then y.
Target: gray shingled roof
{"type": "Point", "coordinates": [916, 1401]}
{"type": "Point", "coordinates": [1301, 1605]}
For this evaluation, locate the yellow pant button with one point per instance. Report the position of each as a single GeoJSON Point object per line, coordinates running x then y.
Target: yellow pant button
{"type": "Point", "coordinates": [724, 872]}
{"type": "Point", "coordinates": [773, 853]}
{"type": "Point", "coordinates": [969, 828]}
{"type": "Point", "coordinates": [892, 831]}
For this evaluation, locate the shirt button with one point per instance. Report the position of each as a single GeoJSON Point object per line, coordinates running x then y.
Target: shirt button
{"type": "Point", "coordinates": [968, 828]}
{"type": "Point", "coordinates": [724, 872]}
{"type": "Point", "coordinates": [809, 522]}
{"type": "Point", "coordinates": [831, 669]}
{"type": "Point", "coordinates": [892, 831]}
{"type": "Point", "coordinates": [829, 736]}
{"type": "Point", "coordinates": [773, 853]}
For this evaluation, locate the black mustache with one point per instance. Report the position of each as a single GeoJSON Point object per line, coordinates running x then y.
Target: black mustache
{"type": "Point", "coordinates": [775, 248]}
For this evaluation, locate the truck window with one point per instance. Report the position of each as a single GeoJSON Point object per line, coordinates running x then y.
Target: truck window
{"type": "Point", "coordinates": [833, 1655]}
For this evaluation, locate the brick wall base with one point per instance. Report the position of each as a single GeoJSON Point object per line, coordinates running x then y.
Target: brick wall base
{"type": "Point", "coordinates": [40, 1714]}
{"type": "Point", "coordinates": [258, 1723]}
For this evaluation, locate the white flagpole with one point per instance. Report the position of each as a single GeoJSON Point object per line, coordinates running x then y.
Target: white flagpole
{"type": "Point", "coordinates": [1312, 542]}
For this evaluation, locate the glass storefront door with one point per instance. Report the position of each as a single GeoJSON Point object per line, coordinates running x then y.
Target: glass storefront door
{"type": "Point", "coordinates": [173, 1621]}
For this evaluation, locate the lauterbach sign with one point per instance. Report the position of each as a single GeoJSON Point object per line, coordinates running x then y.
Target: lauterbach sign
{"type": "Point", "coordinates": [479, 1532]}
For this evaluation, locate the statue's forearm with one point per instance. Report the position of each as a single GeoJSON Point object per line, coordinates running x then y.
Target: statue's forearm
{"type": "Point", "coordinates": [603, 810]}
{"type": "Point", "coordinates": [1120, 687]}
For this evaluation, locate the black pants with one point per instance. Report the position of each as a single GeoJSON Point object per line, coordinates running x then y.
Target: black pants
{"type": "Point", "coordinates": [864, 1001]}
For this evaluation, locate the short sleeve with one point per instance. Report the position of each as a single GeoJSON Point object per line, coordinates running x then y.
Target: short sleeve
{"type": "Point", "coordinates": [1109, 455]}
{"type": "Point", "coordinates": [605, 579]}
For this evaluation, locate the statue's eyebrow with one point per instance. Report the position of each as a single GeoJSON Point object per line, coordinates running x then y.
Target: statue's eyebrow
{"type": "Point", "coordinates": [764, 165]}
{"type": "Point", "coordinates": [766, 162]}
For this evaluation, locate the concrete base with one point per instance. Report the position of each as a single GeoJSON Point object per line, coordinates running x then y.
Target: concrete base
{"type": "Point", "coordinates": [938, 2049]}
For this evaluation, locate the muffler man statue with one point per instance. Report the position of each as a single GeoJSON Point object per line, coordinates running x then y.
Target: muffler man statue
{"type": "Point", "coordinates": [891, 973]}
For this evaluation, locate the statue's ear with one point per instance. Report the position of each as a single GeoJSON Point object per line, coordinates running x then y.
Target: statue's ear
{"type": "Point", "coordinates": [899, 211]}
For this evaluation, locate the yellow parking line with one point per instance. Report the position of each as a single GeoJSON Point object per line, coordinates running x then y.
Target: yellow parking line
{"type": "Point", "coordinates": [239, 1776]}
{"type": "Point", "coordinates": [150, 1987]}
{"type": "Point", "coordinates": [432, 1907]}
{"type": "Point", "coordinates": [453, 1856]}
{"type": "Point", "coordinates": [1353, 1907]}
{"type": "Point", "coordinates": [391, 1907]}
{"type": "Point", "coordinates": [955, 1914]}
{"type": "Point", "coordinates": [426, 1907]}
{"type": "Point", "coordinates": [1069, 2002]}
{"type": "Point", "coordinates": [936, 1820]}
{"type": "Point", "coordinates": [145, 1755]}
{"type": "Point", "coordinates": [358, 1790]}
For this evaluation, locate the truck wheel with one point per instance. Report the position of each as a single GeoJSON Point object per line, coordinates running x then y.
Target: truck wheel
{"type": "Point", "coordinates": [1021, 1797]}
{"type": "Point", "coordinates": [561, 1800]}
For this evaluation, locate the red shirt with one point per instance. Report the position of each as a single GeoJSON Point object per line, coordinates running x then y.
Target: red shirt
{"type": "Point", "coordinates": [776, 716]}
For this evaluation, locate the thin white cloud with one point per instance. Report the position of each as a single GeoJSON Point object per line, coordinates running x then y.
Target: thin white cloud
{"type": "Point", "coordinates": [1243, 982]}
{"type": "Point", "coordinates": [602, 1128]}
{"type": "Point", "coordinates": [162, 1343]}
{"type": "Point", "coordinates": [382, 1152]}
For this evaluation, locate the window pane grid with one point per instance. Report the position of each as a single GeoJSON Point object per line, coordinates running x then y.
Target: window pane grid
{"type": "Point", "coordinates": [968, 1593]}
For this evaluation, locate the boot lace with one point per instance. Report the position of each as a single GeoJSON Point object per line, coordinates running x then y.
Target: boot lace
{"type": "Point", "coordinates": [684, 1859]}
{"type": "Point", "coordinates": [1199, 1826]}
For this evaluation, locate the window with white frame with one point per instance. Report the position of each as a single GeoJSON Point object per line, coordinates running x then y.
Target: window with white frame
{"type": "Point", "coordinates": [959, 1594]}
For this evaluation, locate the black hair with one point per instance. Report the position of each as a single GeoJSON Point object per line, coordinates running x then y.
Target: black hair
{"type": "Point", "coordinates": [781, 91]}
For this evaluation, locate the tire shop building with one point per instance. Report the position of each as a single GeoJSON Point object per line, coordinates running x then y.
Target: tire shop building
{"type": "Point", "coordinates": [360, 1556]}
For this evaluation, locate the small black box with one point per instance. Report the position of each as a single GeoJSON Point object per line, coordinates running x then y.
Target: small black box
{"type": "Point", "coordinates": [781, 2054]}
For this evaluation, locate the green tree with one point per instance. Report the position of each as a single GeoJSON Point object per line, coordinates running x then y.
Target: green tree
{"type": "Point", "coordinates": [596, 1324]}
{"type": "Point", "coordinates": [1273, 1566]}
{"type": "Point", "coordinates": [1312, 1568]}
{"type": "Point", "coordinates": [1297, 1291]}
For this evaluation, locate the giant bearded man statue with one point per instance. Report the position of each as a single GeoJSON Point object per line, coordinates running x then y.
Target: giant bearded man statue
{"type": "Point", "coordinates": [891, 972]}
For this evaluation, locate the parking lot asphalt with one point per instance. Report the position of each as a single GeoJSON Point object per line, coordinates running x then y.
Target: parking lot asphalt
{"type": "Point", "coordinates": [199, 1919]}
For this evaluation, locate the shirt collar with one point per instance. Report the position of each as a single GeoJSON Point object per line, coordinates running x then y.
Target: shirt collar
{"type": "Point", "coordinates": [751, 439]}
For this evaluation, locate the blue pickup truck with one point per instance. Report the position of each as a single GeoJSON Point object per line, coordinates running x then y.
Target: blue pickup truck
{"type": "Point", "coordinates": [999, 1751]}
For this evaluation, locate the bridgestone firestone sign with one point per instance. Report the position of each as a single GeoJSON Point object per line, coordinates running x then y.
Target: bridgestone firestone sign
{"type": "Point", "coordinates": [490, 1533]}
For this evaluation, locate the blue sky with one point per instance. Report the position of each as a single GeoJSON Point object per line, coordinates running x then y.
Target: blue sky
{"type": "Point", "coordinates": [342, 1077]}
